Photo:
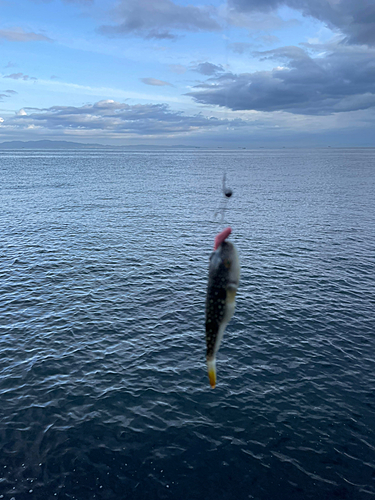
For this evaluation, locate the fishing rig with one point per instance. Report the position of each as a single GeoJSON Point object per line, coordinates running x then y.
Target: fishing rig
{"type": "Point", "coordinates": [227, 192]}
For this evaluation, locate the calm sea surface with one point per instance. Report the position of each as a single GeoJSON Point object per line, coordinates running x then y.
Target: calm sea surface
{"type": "Point", "coordinates": [103, 385]}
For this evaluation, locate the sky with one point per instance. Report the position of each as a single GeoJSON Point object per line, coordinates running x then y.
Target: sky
{"type": "Point", "coordinates": [234, 73]}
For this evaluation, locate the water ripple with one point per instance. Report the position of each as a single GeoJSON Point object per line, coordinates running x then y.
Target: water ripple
{"type": "Point", "coordinates": [103, 274]}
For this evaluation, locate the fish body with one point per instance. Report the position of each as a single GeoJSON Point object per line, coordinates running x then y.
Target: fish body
{"type": "Point", "coordinates": [223, 279]}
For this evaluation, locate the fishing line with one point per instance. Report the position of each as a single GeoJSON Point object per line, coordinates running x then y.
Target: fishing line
{"type": "Point", "coordinates": [226, 191]}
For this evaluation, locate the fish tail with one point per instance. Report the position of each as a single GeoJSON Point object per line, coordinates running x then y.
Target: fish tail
{"type": "Point", "coordinates": [211, 368]}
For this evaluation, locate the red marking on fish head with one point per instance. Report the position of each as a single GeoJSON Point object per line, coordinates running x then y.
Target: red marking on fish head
{"type": "Point", "coordinates": [222, 237]}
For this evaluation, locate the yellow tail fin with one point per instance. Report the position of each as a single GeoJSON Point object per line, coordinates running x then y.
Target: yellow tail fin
{"type": "Point", "coordinates": [211, 367]}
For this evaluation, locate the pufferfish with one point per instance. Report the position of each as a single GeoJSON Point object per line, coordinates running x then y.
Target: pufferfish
{"type": "Point", "coordinates": [223, 279]}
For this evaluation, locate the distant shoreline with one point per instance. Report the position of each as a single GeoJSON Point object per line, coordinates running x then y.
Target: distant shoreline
{"type": "Point", "coordinates": [65, 145]}
{"type": "Point", "coordinates": [47, 144]}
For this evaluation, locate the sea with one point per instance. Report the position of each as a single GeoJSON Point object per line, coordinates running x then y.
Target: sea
{"type": "Point", "coordinates": [104, 391]}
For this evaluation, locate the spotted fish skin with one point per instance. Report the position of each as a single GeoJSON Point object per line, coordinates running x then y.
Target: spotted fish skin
{"type": "Point", "coordinates": [223, 279]}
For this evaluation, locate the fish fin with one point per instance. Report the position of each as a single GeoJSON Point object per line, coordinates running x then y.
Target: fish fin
{"type": "Point", "coordinates": [231, 294]}
{"type": "Point", "coordinates": [211, 368]}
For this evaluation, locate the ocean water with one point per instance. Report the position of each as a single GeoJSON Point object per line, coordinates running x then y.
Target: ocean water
{"type": "Point", "coordinates": [103, 385]}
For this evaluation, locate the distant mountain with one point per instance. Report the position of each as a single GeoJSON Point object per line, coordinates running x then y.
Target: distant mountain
{"type": "Point", "coordinates": [76, 145]}
{"type": "Point", "coordinates": [48, 145]}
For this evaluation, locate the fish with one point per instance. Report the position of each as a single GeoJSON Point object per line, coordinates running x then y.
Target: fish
{"type": "Point", "coordinates": [223, 280]}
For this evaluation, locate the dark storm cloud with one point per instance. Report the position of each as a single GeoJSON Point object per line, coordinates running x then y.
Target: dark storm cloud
{"type": "Point", "coordinates": [114, 117]}
{"type": "Point", "coordinates": [342, 80]}
{"type": "Point", "coordinates": [208, 69]}
{"type": "Point", "coordinates": [355, 18]}
{"type": "Point", "coordinates": [159, 19]}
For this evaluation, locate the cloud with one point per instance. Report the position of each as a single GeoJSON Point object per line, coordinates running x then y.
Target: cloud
{"type": "Point", "coordinates": [257, 42]}
{"type": "Point", "coordinates": [10, 92]}
{"type": "Point", "coordinates": [20, 76]}
{"type": "Point", "coordinates": [341, 80]}
{"type": "Point", "coordinates": [154, 82]}
{"type": "Point", "coordinates": [159, 19]}
{"type": "Point", "coordinates": [269, 39]}
{"type": "Point", "coordinates": [68, 1]}
{"type": "Point", "coordinates": [256, 20]}
{"type": "Point", "coordinates": [19, 35]}
{"type": "Point", "coordinates": [177, 68]}
{"type": "Point", "coordinates": [208, 69]}
{"type": "Point", "coordinates": [354, 18]}
{"type": "Point", "coordinates": [240, 47]}
{"type": "Point", "coordinates": [110, 118]}
{"type": "Point", "coordinates": [7, 93]}
{"type": "Point", "coordinates": [115, 122]}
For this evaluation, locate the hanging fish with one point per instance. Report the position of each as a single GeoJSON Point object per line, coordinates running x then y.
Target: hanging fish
{"type": "Point", "coordinates": [223, 278]}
